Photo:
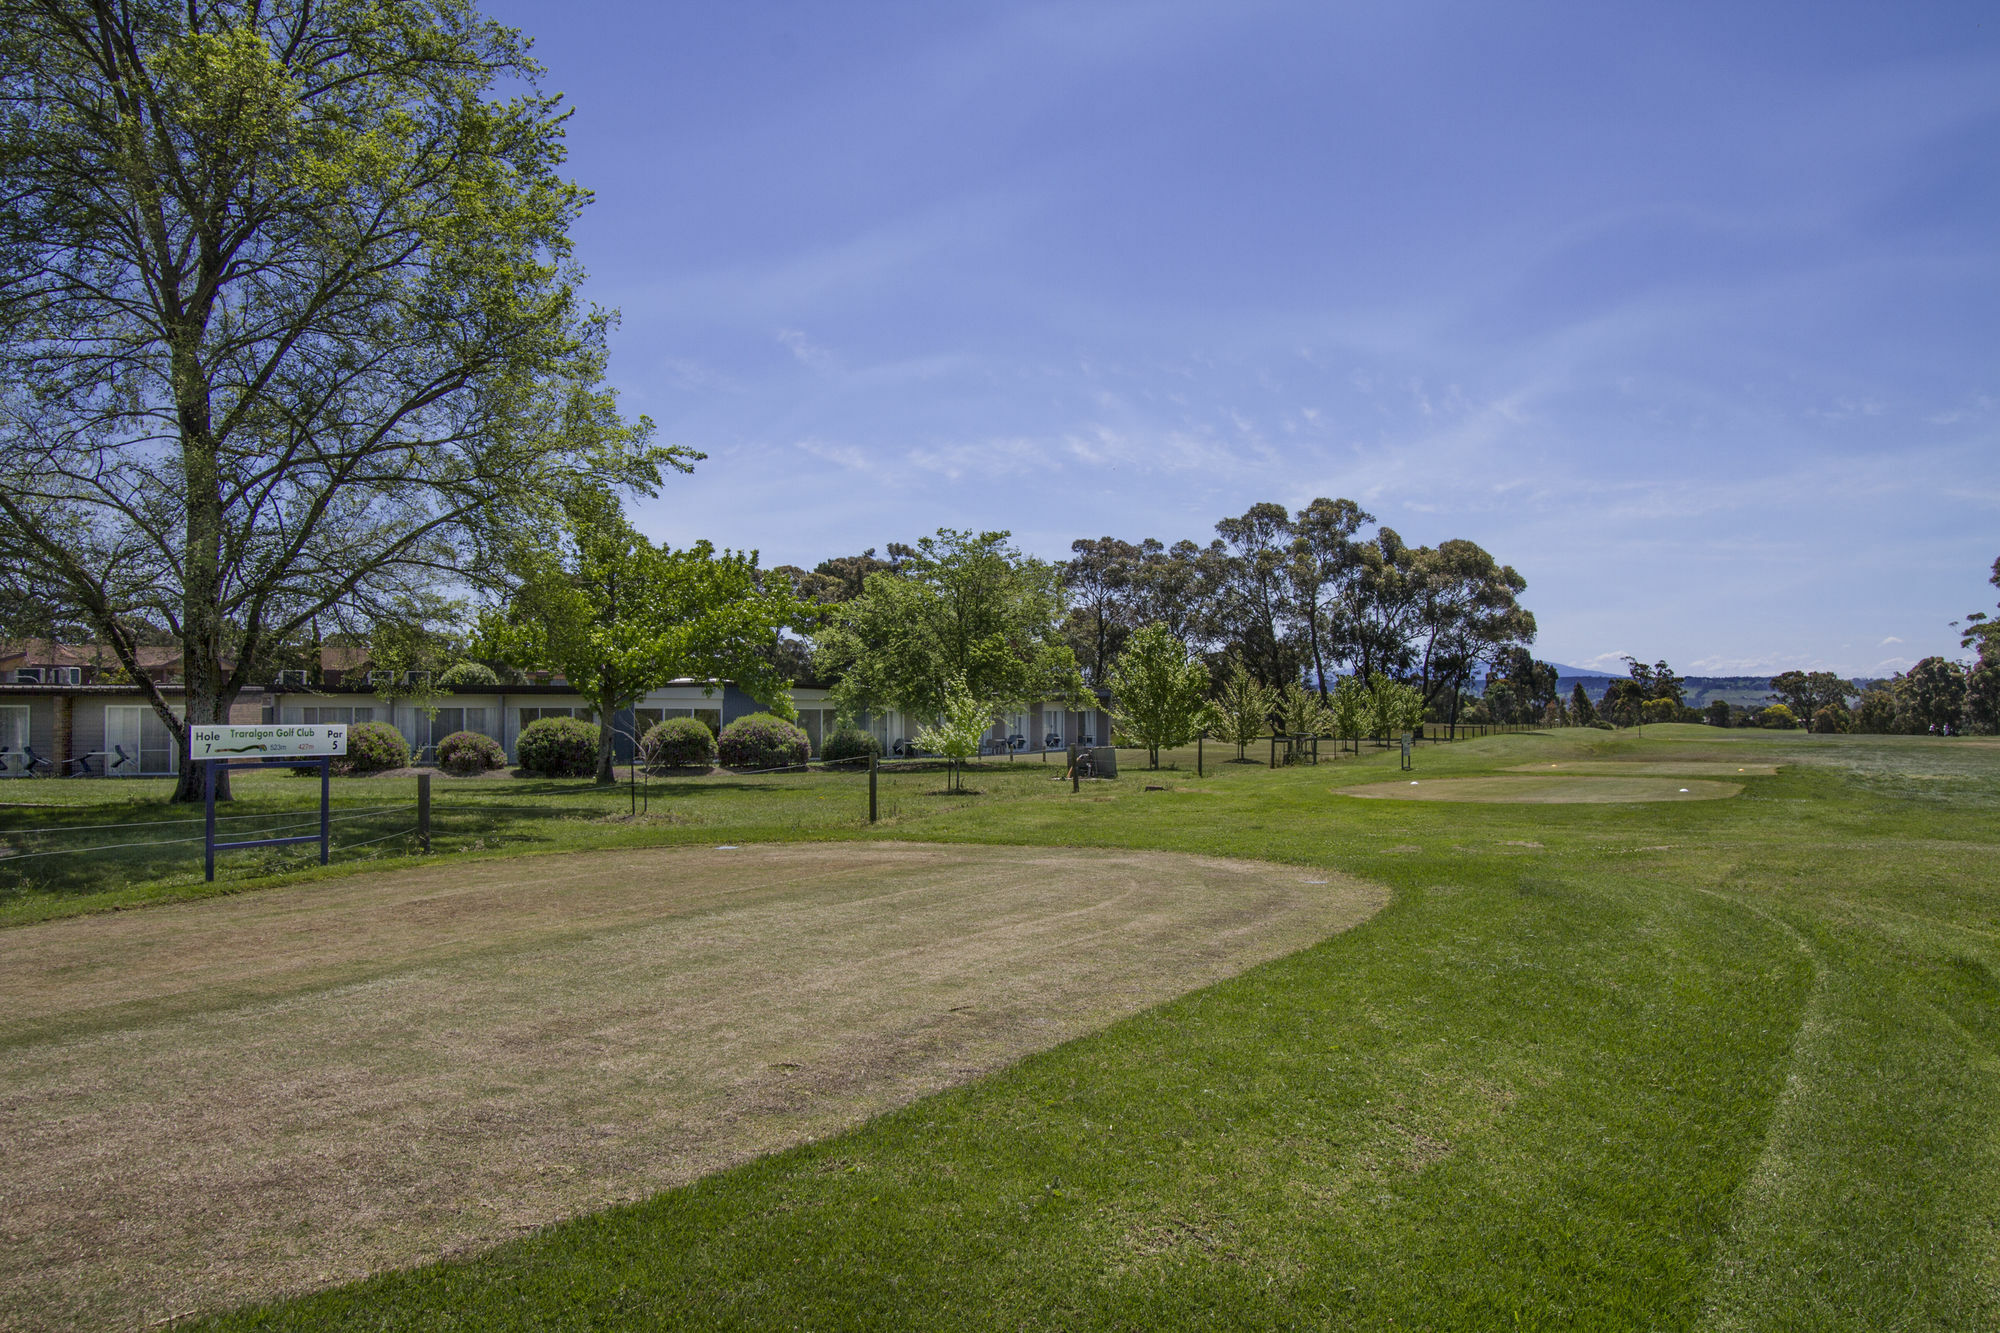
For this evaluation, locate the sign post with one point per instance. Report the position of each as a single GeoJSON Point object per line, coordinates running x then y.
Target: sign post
{"type": "Point", "coordinates": [292, 746]}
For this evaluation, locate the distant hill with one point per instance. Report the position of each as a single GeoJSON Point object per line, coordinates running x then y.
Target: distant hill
{"type": "Point", "coordinates": [1743, 691]}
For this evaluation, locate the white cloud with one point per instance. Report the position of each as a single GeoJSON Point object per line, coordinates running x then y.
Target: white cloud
{"type": "Point", "coordinates": [808, 352]}
{"type": "Point", "coordinates": [1886, 642]}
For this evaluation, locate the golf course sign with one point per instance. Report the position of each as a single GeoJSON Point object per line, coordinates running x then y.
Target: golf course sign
{"type": "Point", "coordinates": [288, 741]}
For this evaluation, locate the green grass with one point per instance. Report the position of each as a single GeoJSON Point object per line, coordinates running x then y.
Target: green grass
{"type": "Point", "coordinates": [1727, 1064]}
{"type": "Point", "coordinates": [77, 847]}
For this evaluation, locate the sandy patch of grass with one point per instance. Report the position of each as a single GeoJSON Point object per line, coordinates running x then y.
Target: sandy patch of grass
{"type": "Point", "coordinates": [1548, 791]}
{"type": "Point", "coordinates": [219, 1101]}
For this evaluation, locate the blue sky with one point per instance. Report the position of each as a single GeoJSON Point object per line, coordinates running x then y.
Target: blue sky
{"type": "Point", "coordinates": [1688, 312]}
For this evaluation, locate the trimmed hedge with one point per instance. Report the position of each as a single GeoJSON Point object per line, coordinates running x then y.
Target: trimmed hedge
{"type": "Point", "coordinates": [760, 740]}
{"type": "Point", "coordinates": [470, 752]}
{"type": "Point", "coordinates": [375, 747]}
{"type": "Point", "coordinates": [558, 747]}
{"type": "Point", "coordinates": [678, 742]}
{"type": "Point", "coordinates": [849, 743]}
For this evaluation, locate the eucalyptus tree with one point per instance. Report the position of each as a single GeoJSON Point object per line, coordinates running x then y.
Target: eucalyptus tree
{"type": "Point", "coordinates": [288, 320]}
{"type": "Point", "coordinates": [1325, 563]}
{"type": "Point", "coordinates": [1098, 580]}
{"type": "Point", "coordinates": [1255, 603]}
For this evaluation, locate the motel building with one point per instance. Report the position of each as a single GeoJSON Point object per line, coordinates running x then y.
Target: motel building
{"type": "Point", "coordinates": [76, 719]}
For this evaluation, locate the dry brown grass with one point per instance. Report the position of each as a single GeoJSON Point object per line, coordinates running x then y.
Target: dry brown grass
{"type": "Point", "coordinates": [1580, 790]}
{"type": "Point", "coordinates": [232, 1099]}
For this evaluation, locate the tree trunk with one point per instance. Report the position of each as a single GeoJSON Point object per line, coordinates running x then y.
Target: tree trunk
{"type": "Point", "coordinates": [605, 712]}
{"type": "Point", "coordinates": [202, 680]}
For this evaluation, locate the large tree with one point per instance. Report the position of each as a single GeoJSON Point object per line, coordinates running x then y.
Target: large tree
{"type": "Point", "coordinates": [1098, 580]}
{"type": "Point", "coordinates": [961, 604]}
{"type": "Point", "coordinates": [1806, 692]}
{"type": "Point", "coordinates": [618, 616]}
{"type": "Point", "coordinates": [1325, 563]}
{"type": "Point", "coordinates": [287, 315]}
{"type": "Point", "coordinates": [1254, 605]}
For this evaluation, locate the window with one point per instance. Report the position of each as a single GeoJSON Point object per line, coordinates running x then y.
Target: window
{"type": "Point", "coordinates": [645, 718]}
{"type": "Point", "coordinates": [27, 675]}
{"type": "Point", "coordinates": [137, 743]}
{"type": "Point", "coordinates": [13, 740]}
{"type": "Point", "coordinates": [292, 679]}
{"type": "Point", "coordinates": [65, 675]}
{"type": "Point", "coordinates": [537, 714]}
{"type": "Point", "coordinates": [449, 720]}
{"type": "Point", "coordinates": [342, 716]}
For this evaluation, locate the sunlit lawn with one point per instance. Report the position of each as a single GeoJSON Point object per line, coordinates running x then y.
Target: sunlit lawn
{"type": "Point", "coordinates": [1730, 1064]}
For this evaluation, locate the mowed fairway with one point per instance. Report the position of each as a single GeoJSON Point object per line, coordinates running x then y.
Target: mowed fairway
{"type": "Point", "coordinates": [212, 1102]}
{"type": "Point", "coordinates": [1609, 790]}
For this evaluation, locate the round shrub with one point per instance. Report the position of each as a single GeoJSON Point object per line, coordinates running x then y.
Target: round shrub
{"type": "Point", "coordinates": [375, 747]}
{"type": "Point", "coordinates": [849, 743]}
{"type": "Point", "coordinates": [470, 752]}
{"type": "Point", "coordinates": [468, 674]}
{"type": "Point", "coordinates": [558, 747]}
{"type": "Point", "coordinates": [1778, 718]}
{"type": "Point", "coordinates": [759, 740]}
{"type": "Point", "coordinates": [678, 742]}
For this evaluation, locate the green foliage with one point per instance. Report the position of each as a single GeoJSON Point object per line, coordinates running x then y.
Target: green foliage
{"type": "Point", "coordinates": [1982, 695]}
{"type": "Point", "coordinates": [373, 747]}
{"type": "Point", "coordinates": [962, 723]}
{"type": "Point", "coordinates": [1393, 707]}
{"type": "Point", "coordinates": [1662, 710]}
{"type": "Point", "coordinates": [1300, 712]}
{"type": "Point", "coordinates": [761, 740]}
{"type": "Point", "coordinates": [1806, 692]}
{"type": "Point", "coordinates": [1582, 712]}
{"type": "Point", "coordinates": [959, 605]}
{"type": "Point", "coordinates": [1240, 710]}
{"type": "Point", "coordinates": [848, 744]}
{"type": "Point", "coordinates": [1930, 696]}
{"type": "Point", "coordinates": [470, 752]}
{"type": "Point", "coordinates": [468, 675]}
{"type": "Point", "coordinates": [559, 747]}
{"type": "Point", "coordinates": [1157, 690]}
{"type": "Point", "coordinates": [1832, 719]}
{"type": "Point", "coordinates": [1876, 713]}
{"type": "Point", "coordinates": [678, 742]}
{"type": "Point", "coordinates": [1777, 717]}
{"type": "Point", "coordinates": [293, 285]}
{"type": "Point", "coordinates": [1349, 708]}
{"type": "Point", "coordinates": [618, 616]}
{"type": "Point", "coordinates": [1717, 714]}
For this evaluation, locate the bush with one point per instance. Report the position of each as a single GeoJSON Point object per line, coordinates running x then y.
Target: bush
{"type": "Point", "coordinates": [375, 747]}
{"type": "Point", "coordinates": [468, 674]}
{"type": "Point", "coordinates": [1833, 719]}
{"type": "Point", "coordinates": [849, 743]}
{"type": "Point", "coordinates": [1778, 718]}
{"type": "Point", "coordinates": [760, 740]}
{"type": "Point", "coordinates": [470, 752]}
{"type": "Point", "coordinates": [558, 747]}
{"type": "Point", "coordinates": [1602, 725]}
{"type": "Point", "coordinates": [678, 742]}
